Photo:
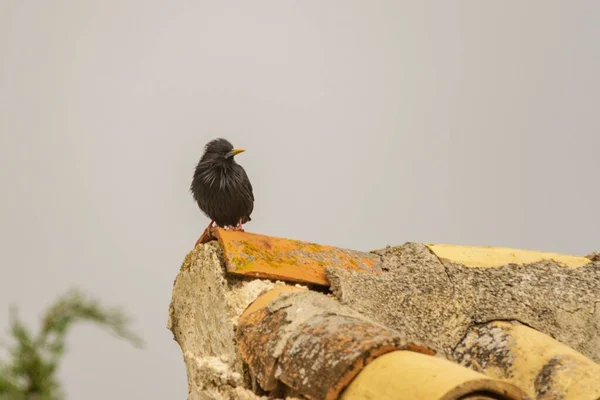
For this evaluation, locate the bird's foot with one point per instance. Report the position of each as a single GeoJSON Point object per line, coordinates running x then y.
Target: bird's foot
{"type": "Point", "coordinates": [205, 234]}
{"type": "Point", "coordinates": [239, 226]}
{"type": "Point", "coordinates": [209, 227]}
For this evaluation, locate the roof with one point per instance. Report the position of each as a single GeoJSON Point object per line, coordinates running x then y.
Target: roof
{"type": "Point", "coordinates": [257, 315]}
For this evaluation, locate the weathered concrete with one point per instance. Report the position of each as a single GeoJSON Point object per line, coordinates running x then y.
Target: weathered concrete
{"type": "Point", "coordinates": [438, 303]}
{"type": "Point", "coordinates": [202, 316]}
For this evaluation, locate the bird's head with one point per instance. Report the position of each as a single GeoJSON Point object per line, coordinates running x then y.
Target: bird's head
{"type": "Point", "coordinates": [220, 150]}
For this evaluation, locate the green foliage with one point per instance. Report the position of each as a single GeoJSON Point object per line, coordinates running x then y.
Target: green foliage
{"type": "Point", "coordinates": [30, 373]}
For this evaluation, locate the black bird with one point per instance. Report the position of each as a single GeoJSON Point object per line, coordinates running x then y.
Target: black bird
{"type": "Point", "coordinates": [221, 186]}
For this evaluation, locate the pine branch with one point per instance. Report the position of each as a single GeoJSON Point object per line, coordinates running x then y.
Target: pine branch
{"type": "Point", "coordinates": [74, 307]}
{"type": "Point", "coordinates": [9, 390]}
{"type": "Point", "coordinates": [28, 370]}
{"type": "Point", "coordinates": [31, 372]}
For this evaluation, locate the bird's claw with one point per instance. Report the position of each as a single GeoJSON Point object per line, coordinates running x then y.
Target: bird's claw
{"type": "Point", "coordinates": [234, 228]}
{"type": "Point", "coordinates": [207, 232]}
{"type": "Point", "coordinates": [239, 226]}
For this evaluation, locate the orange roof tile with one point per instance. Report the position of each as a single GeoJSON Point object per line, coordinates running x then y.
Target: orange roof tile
{"type": "Point", "coordinates": [297, 341]}
{"type": "Point", "coordinates": [290, 260]}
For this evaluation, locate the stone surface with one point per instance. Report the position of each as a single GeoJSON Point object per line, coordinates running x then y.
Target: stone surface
{"type": "Point", "coordinates": [437, 304]}
{"type": "Point", "coordinates": [202, 316]}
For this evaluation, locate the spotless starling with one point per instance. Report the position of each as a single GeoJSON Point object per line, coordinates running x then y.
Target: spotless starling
{"type": "Point", "coordinates": [221, 186]}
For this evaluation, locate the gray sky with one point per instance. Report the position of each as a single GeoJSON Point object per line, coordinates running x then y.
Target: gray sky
{"type": "Point", "coordinates": [365, 124]}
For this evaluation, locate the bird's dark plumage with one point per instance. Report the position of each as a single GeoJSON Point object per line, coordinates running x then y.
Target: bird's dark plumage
{"type": "Point", "coordinates": [221, 186]}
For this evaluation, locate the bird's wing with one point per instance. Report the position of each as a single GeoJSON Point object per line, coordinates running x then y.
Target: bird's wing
{"type": "Point", "coordinates": [247, 184]}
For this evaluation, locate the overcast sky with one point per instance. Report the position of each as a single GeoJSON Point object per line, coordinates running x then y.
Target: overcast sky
{"type": "Point", "coordinates": [366, 124]}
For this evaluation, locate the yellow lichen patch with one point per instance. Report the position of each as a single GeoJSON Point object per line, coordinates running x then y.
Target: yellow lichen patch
{"type": "Point", "coordinates": [490, 257]}
{"type": "Point", "coordinates": [286, 259]}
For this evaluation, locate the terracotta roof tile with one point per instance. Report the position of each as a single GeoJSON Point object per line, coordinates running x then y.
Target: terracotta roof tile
{"type": "Point", "coordinates": [316, 345]}
{"type": "Point", "coordinates": [290, 260]}
{"type": "Point", "coordinates": [294, 341]}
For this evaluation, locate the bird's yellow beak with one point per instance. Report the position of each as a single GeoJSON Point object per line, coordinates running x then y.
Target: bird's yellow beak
{"type": "Point", "coordinates": [234, 152]}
